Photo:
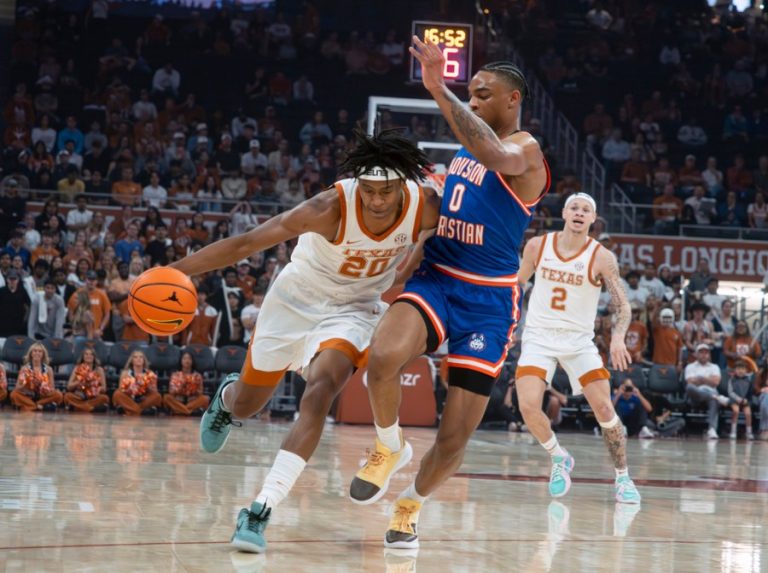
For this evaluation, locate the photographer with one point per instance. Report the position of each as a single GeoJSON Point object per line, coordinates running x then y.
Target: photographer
{"type": "Point", "coordinates": [633, 409]}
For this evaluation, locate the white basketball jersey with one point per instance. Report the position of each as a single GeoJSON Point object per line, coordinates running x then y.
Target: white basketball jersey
{"type": "Point", "coordinates": [359, 264]}
{"type": "Point", "coordinates": [566, 293]}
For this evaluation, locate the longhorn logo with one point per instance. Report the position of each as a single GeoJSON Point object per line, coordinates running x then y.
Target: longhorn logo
{"type": "Point", "coordinates": [172, 298]}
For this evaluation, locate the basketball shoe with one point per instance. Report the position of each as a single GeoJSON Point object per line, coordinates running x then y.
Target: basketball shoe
{"type": "Point", "coordinates": [372, 480]}
{"type": "Point", "coordinates": [401, 533]}
{"type": "Point", "coordinates": [216, 421]}
{"type": "Point", "coordinates": [249, 531]}
{"type": "Point", "coordinates": [560, 476]}
{"type": "Point", "coordinates": [626, 492]}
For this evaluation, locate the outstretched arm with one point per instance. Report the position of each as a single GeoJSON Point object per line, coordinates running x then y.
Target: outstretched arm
{"type": "Point", "coordinates": [607, 269]}
{"type": "Point", "coordinates": [471, 131]}
{"type": "Point", "coordinates": [320, 215]}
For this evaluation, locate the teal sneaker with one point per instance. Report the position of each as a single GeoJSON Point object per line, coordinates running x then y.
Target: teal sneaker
{"type": "Point", "coordinates": [216, 421]}
{"type": "Point", "coordinates": [249, 532]}
{"type": "Point", "coordinates": [560, 477]}
{"type": "Point", "coordinates": [626, 492]}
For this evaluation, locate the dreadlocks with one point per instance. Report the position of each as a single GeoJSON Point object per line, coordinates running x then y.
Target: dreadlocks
{"type": "Point", "coordinates": [511, 73]}
{"type": "Point", "coordinates": [388, 149]}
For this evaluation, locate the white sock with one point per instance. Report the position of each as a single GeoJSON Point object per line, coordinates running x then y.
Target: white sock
{"type": "Point", "coordinates": [411, 493]}
{"type": "Point", "coordinates": [553, 447]}
{"type": "Point", "coordinates": [611, 423]}
{"type": "Point", "coordinates": [390, 436]}
{"type": "Point", "coordinates": [280, 479]}
{"type": "Point", "coordinates": [226, 397]}
{"type": "Point", "coordinates": [622, 473]}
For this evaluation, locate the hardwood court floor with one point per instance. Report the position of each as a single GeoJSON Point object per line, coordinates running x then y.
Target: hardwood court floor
{"type": "Point", "coordinates": [106, 493]}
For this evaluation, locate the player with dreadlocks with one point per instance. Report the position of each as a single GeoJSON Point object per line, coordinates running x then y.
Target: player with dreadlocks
{"type": "Point", "coordinates": [465, 290]}
{"type": "Point", "coordinates": [320, 312]}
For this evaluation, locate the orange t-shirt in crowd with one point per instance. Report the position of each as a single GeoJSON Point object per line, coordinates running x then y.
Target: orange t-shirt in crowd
{"type": "Point", "coordinates": [100, 305]}
{"type": "Point", "coordinates": [45, 253]}
{"type": "Point", "coordinates": [636, 338]}
{"type": "Point", "coordinates": [126, 192]}
{"type": "Point", "coordinates": [667, 344]}
{"type": "Point", "coordinates": [202, 329]}
{"type": "Point", "coordinates": [742, 346]}
{"type": "Point", "coordinates": [131, 331]}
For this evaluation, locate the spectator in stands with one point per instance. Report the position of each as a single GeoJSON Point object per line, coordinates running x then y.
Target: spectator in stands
{"type": "Point", "coordinates": [130, 244]}
{"type": "Point", "coordinates": [166, 81]}
{"type": "Point", "coordinates": [688, 175]}
{"type": "Point", "coordinates": [663, 175]}
{"type": "Point", "coordinates": [731, 213]}
{"type": "Point", "coordinates": [725, 325]}
{"type": "Point", "coordinates": [205, 325]}
{"type": "Point", "coordinates": [739, 82]}
{"type": "Point", "coordinates": [667, 211]}
{"type": "Point", "coordinates": [738, 177]}
{"type": "Point", "coordinates": [87, 385]}
{"type": "Point", "coordinates": [3, 384]}
{"type": "Point", "coordinates": [635, 293]}
{"type": "Point", "coordinates": [13, 207]}
{"type": "Point", "coordinates": [741, 344]}
{"type": "Point", "coordinates": [47, 313]}
{"type": "Point", "coordinates": [636, 338]}
{"type": "Point", "coordinates": [760, 175]}
{"type": "Point", "coordinates": [701, 277]}
{"type": "Point", "coordinates": [209, 195]}
{"type": "Point", "coordinates": [126, 191]}
{"type": "Point", "coordinates": [316, 132]}
{"type": "Point", "coordinates": [616, 151]}
{"type": "Point", "coordinates": [16, 248]}
{"type": "Point", "coordinates": [635, 174]}
{"type": "Point", "coordinates": [633, 409]}
{"type": "Point", "coordinates": [62, 287]}
{"type": "Point", "coordinates": [710, 297]}
{"type": "Point", "coordinates": [44, 133]}
{"type": "Point", "coordinates": [253, 159]}
{"type": "Point", "coordinates": [35, 384]}
{"type": "Point", "coordinates": [250, 314]}
{"type": "Point", "coordinates": [94, 301]}
{"type": "Point", "coordinates": [762, 390]}
{"type": "Point", "coordinates": [702, 378]}
{"type": "Point", "coordinates": [735, 126]}
{"type": "Point", "coordinates": [71, 133]}
{"type": "Point", "coordinates": [650, 282]}
{"type": "Point", "coordinates": [71, 185]}
{"type": "Point", "coordinates": [185, 395]}
{"type": "Point", "coordinates": [78, 219]}
{"type": "Point", "coordinates": [699, 208]}
{"type": "Point", "coordinates": [757, 212]}
{"type": "Point", "coordinates": [667, 340]}
{"type": "Point", "coordinates": [137, 392]}
{"type": "Point", "coordinates": [699, 330]}
{"type": "Point", "coordinates": [691, 134]}
{"type": "Point", "coordinates": [154, 194]}
{"type": "Point", "coordinates": [234, 186]}
{"type": "Point", "coordinates": [740, 390]}
{"type": "Point", "coordinates": [15, 304]}
{"type": "Point", "coordinates": [599, 18]}
{"type": "Point", "coordinates": [157, 247]}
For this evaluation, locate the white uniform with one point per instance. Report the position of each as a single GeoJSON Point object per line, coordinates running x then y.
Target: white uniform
{"type": "Point", "coordinates": [329, 295]}
{"type": "Point", "coordinates": [561, 315]}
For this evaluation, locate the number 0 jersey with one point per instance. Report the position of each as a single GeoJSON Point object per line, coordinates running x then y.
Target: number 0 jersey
{"type": "Point", "coordinates": [359, 265]}
{"type": "Point", "coordinates": [481, 225]}
{"type": "Point", "coordinates": [566, 293]}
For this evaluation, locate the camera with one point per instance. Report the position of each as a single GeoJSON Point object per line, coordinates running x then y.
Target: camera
{"type": "Point", "coordinates": [628, 388]}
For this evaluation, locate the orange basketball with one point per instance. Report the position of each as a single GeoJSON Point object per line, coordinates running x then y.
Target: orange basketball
{"type": "Point", "coordinates": [162, 301]}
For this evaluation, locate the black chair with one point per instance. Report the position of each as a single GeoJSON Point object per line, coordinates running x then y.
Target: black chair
{"type": "Point", "coordinates": [203, 356]}
{"type": "Point", "coordinates": [163, 360]}
{"type": "Point", "coordinates": [100, 349]}
{"type": "Point", "coordinates": [229, 359]}
{"type": "Point", "coordinates": [635, 373]}
{"type": "Point", "coordinates": [60, 354]}
{"type": "Point", "coordinates": [663, 379]}
{"type": "Point", "coordinates": [15, 349]}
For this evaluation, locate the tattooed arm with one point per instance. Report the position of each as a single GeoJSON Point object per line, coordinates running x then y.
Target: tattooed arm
{"type": "Point", "coordinates": [607, 269]}
{"type": "Point", "coordinates": [472, 132]}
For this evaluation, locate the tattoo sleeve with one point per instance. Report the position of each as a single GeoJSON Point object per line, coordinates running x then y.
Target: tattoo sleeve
{"type": "Point", "coordinates": [617, 445]}
{"type": "Point", "coordinates": [615, 288]}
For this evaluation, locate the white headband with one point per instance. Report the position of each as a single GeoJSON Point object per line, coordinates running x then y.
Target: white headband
{"type": "Point", "coordinates": [587, 198]}
{"type": "Point", "coordinates": [380, 174]}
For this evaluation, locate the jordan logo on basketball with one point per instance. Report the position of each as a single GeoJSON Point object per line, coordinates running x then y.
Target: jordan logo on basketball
{"type": "Point", "coordinates": [172, 298]}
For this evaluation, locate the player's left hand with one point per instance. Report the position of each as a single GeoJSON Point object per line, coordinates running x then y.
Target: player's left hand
{"type": "Point", "coordinates": [620, 357]}
{"type": "Point", "coordinates": [432, 63]}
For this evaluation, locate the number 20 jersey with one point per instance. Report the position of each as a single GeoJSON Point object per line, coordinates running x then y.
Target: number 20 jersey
{"type": "Point", "coordinates": [359, 265]}
{"type": "Point", "coordinates": [481, 225]}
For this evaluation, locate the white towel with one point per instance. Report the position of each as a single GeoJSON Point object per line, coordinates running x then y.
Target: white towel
{"type": "Point", "coordinates": [42, 308]}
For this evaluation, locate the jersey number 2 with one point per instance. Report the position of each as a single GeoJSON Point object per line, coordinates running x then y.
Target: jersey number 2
{"type": "Point", "coordinates": [356, 267]}
{"type": "Point", "coordinates": [559, 295]}
{"type": "Point", "coordinates": [457, 196]}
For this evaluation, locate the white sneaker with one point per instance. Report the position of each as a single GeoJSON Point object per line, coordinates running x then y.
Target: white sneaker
{"type": "Point", "coordinates": [724, 400]}
{"type": "Point", "coordinates": [646, 434]}
{"type": "Point", "coordinates": [732, 435]}
{"type": "Point", "coordinates": [750, 435]}
{"type": "Point", "coordinates": [712, 434]}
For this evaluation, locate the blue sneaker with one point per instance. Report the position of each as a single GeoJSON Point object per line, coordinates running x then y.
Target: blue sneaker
{"type": "Point", "coordinates": [560, 477]}
{"type": "Point", "coordinates": [216, 421]}
{"type": "Point", "coordinates": [249, 532]}
{"type": "Point", "coordinates": [626, 492]}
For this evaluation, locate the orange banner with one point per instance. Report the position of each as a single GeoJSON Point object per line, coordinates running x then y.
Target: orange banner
{"type": "Point", "coordinates": [418, 407]}
{"type": "Point", "coordinates": [728, 259]}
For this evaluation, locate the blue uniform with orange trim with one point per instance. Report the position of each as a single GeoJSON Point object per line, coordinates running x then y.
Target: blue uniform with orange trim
{"type": "Point", "coordinates": [467, 284]}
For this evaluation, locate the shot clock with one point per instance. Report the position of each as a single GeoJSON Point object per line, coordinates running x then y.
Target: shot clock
{"type": "Point", "coordinates": [455, 40]}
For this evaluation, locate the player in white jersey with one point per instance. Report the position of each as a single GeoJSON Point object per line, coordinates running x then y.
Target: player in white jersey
{"type": "Point", "coordinates": [319, 315]}
{"type": "Point", "coordinates": [570, 269]}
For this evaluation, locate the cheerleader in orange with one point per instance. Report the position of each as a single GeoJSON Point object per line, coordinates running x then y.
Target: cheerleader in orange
{"type": "Point", "coordinates": [3, 384]}
{"type": "Point", "coordinates": [138, 387]}
{"type": "Point", "coordinates": [34, 386]}
{"type": "Point", "coordinates": [87, 387]}
{"type": "Point", "coordinates": [186, 391]}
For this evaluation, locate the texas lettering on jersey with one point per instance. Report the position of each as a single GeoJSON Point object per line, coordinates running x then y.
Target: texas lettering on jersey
{"type": "Point", "coordinates": [563, 277]}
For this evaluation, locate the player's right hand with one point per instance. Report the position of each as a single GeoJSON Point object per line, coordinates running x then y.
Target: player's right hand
{"type": "Point", "coordinates": [432, 63]}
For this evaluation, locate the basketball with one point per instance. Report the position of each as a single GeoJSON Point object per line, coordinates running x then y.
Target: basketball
{"type": "Point", "coordinates": [162, 301]}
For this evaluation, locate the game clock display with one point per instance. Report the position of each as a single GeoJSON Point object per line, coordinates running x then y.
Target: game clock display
{"type": "Point", "coordinates": [455, 40]}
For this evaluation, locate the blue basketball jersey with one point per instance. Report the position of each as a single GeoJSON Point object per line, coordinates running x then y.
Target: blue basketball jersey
{"type": "Point", "coordinates": [481, 225]}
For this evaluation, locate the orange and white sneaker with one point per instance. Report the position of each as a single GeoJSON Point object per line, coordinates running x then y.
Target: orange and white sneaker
{"type": "Point", "coordinates": [401, 533]}
{"type": "Point", "coordinates": [372, 480]}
